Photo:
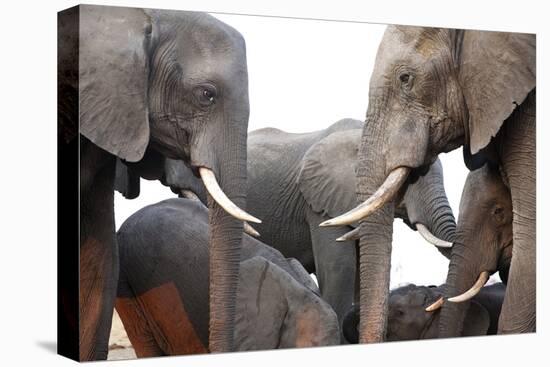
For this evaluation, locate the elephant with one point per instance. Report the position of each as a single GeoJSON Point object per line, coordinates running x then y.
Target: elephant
{"type": "Point", "coordinates": [161, 83]}
{"type": "Point", "coordinates": [409, 320]}
{"type": "Point", "coordinates": [163, 299]}
{"type": "Point", "coordinates": [485, 225]}
{"type": "Point", "coordinates": [433, 90]}
{"type": "Point", "coordinates": [296, 181]}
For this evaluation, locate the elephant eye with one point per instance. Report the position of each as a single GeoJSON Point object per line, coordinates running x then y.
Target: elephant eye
{"type": "Point", "coordinates": [498, 214]}
{"type": "Point", "coordinates": [406, 80]}
{"type": "Point", "coordinates": [208, 95]}
{"type": "Point", "coordinates": [205, 95]}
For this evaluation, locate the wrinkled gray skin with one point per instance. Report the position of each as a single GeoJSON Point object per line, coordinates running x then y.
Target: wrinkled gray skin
{"type": "Point", "coordinates": [163, 298]}
{"type": "Point", "coordinates": [485, 238]}
{"type": "Point", "coordinates": [296, 181]}
{"type": "Point", "coordinates": [180, 89]}
{"type": "Point", "coordinates": [409, 320]}
{"type": "Point", "coordinates": [432, 91]}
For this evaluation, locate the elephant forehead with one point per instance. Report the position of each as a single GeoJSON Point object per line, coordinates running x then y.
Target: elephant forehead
{"type": "Point", "coordinates": [423, 40]}
{"type": "Point", "coordinates": [409, 295]}
{"type": "Point", "coordinates": [411, 47]}
{"type": "Point", "coordinates": [212, 45]}
{"type": "Point", "coordinates": [482, 186]}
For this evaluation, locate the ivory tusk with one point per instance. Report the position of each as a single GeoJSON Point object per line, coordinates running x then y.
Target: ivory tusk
{"type": "Point", "coordinates": [352, 235]}
{"type": "Point", "coordinates": [219, 196]}
{"type": "Point", "coordinates": [249, 230]}
{"type": "Point", "coordinates": [385, 193]}
{"type": "Point", "coordinates": [188, 194]}
{"type": "Point", "coordinates": [428, 236]}
{"type": "Point", "coordinates": [480, 282]}
{"type": "Point", "coordinates": [436, 305]}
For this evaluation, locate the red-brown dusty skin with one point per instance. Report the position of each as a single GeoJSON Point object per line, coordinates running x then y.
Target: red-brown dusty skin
{"type": "Point", "coordinates": [307, 329]}
{"type": "Point", "coordinates": [168, 328]}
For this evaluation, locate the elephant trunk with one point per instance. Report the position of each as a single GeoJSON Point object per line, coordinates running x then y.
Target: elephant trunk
{"type": "Point", "coordinates": [463, 272]}
{"type": "Point", "coordinates": [225, 247]}
{"type": "Point", "coordinates": [375, 244]}
{"type": "Point", "coordinates": [220, 158]}
{"type": "Point", "coordinates": [427, 204]}
{"type": "Point", "coordinates": [441, 220]}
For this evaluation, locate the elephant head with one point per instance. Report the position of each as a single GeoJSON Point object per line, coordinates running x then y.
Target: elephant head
{"type": "Point", "coordinates": [409, 320]}
{"type": "Point", "coordinates": [175, 83]}
{"type": "Point", "coordinates": [327, 181]}
{"type": "Point", "coordinates": [483, 245]}
{"type": "Point", "coordinates": [431, 91]}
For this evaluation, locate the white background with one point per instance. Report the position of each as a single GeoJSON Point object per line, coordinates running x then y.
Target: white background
{"type": "Point", "coordinates": [28, 195]}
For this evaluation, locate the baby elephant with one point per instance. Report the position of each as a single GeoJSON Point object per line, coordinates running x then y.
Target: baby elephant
{"type": "Point", "coordinates": [163, 288]}
{"type": "Point", "coordinates": [409, 320]}
{"type": "Point", "coordinates": [483, 245]}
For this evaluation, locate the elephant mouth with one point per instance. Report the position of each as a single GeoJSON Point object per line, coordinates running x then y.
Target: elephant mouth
{"type": "Point", "coordinates": [384, 194]}
{"type": "Point", "coordinates": [505, 259]}
{"type": "Point", "coordinates": [388, 191]}
{"type": "Point", "coordinates": [466, 296]}
{"type": "Point", "coordinates": [474, 290]}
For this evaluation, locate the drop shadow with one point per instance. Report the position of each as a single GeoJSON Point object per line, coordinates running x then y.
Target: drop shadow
{"type": "Point", "coordinates": [48, 345]}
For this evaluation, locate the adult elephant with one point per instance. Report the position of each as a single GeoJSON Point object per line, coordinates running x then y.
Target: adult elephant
{"type": "Point", "coordinates": [163, 289]}
{"type": "Point", "coordinates": [485, 246]}
{"type": "Point", "coordinates": [409, 320]}
{"type": "Point", "coordinates": [431, 91]}
{"type": "Point", "coordinates": [170, 82]}
{"type": "Point", "coordinates": [296, 181]}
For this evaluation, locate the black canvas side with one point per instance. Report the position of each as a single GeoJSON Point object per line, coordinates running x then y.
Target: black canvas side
{"type": "Point", "coordinates": [67, 184]}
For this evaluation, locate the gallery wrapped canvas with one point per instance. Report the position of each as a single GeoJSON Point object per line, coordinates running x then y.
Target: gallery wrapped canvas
{"type": "Point", "coordinates": [231, 183]}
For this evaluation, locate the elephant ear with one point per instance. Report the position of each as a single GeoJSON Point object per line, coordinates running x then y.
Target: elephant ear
{"type": "Point", "coordinates": [327, 174]}
{"type": "Point", "coordinates": [261, 304]}
{"type": "Point", "coordinates": [497, 71]}
{"type": "Point", "coordinates": [113, 76]}
{"type": "Point", "coordinates": [477, 320]}
{"type": "Point", "coordinates": [301, 275]}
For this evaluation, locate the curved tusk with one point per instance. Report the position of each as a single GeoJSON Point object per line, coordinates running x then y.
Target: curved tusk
{"type": "Point", "coordinates": [428, 236]}
{"type": "Point", "coordinates": [480, 282]}
{"type": "Point", "coordinates": [219, 196]}
{"type": "Point", "coordinates": [249, 230]}
{"type": "Point", "coordinates": [188, 194]}
{"type": "Point", "coordinates": [436, 305]}
{"type": "Point", "coordinates": [385, 193]}
{"type": "Point", "coordinates": [352, 235]}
